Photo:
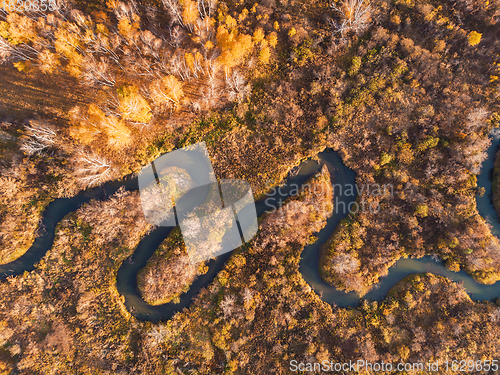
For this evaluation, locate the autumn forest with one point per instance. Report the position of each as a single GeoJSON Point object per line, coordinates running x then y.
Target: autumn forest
{"type": "Point", "coordinates": [406, 93]}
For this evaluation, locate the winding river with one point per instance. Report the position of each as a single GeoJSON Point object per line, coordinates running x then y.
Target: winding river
{"type": "Point", "coordinates": [309, 265]}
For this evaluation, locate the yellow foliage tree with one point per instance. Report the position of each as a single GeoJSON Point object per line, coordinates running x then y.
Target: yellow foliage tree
{"type": "Point", "coordinates": [87, 125]}
{"type": "Point", "coordinates": [102, 30]}
{"type": "Point", "coordinates": [127, 28]}
{"type": "Point", "coordinates": [166, 92]}
{"type": "Point", "coordinates": [264, 55]}
{"type": "Point", "coordinates": [272, 39]}
{"type": "Point", "coordinates": [21, 29]}
{"type": "Point", "coordinates": [243, 15]}
{"type": "Point", "coordinates": [189, 12]}
{"type": "Point", "coordinates": [68, 44]}
{"type": "Point", "coordinates": [84, 125]}
{"type": "Point", "coordinates": [22, 66]}
{"type": "Point", "coordinates": [118, 133]}
{"type": "Point", "coordinates": [230, 22]}
{"type": "Point", "coordinates": [234, 46]}
{"type": "Point", "coordinates": [95, 113]}
{"type": "Point", "coordinates": [209, 45]}
{"type": "Point", "coordinates": [258, 36]}
{"type": "Point", "coordinates": [474, 38]}
{"type": "Point", "coordinates": [5, 368]}
{"type": "Point", "coordinates": [4, 30]}
{"type": "Point", "coordinates": [189, 60]}
{"type": "Point", "coordinates": [199, 57]}
{"type": "Point", "coordinates": [133, 106]}
{"type": "Point", "coordinates": [47, 61]}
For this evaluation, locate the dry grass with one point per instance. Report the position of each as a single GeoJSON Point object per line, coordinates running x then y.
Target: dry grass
{"type": "Point", "coordinates": [24, 95]}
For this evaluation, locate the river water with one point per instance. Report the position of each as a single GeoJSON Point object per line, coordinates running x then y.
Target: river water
{"type": "Point", "coordinates": [309, 265]}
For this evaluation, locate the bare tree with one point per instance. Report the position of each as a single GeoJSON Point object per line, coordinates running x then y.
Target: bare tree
{"type": "Point", "coordinates": [92, 169]}
{"type": "Point", "coordinates": [204, 28]}
{"type": "Point", "coordinates": [236, 86]}
{"type": "Point", "coordinates": [227, 305]}
{"type": "Point", "coordinates": [176, 36]}
{"type": "Point", "coordinates": [344, 264]}
{"type": "Point", "coordinates": [111, 105]}
{"type": "Point", "coordinates": [476, 119]}
{"type": "Point", "coordinates": [140, 66]}
{"type": "Point", "coordinates": [212, 92]}
{"type": "Point", "coordinates": [355, 16]}
{"type": "Point", "coordinates": [247, 296]}
{"type": "Point", "coordinates": [97, 43]}
{"type": "Point", "coordinates": [156, 335]}
{"type": "Point", "coordinates": [175, 11]}
{"type": "Point", "coordinates": [163, 63]}
{"type": "Point", "coordinates": [195, 106]}
{"type": "Point", "coordinates": [97, 72]}
{"type": "Point", "coordinates": [206, 7]}
{"type": "Point", "coordinates": [39, 136]}
{"type": "Point", "coordinates": [126, 10]}
{"type": "Point", "coordinates": [198, 66]}
{"type": "Point", "coordinates": [178, 67]}
{"type": "Point", "coordinates": [213, 68]}
{"type": "Point", "coordinates": [21, 52]}
{"type": "Point", "coordinates": [152, 45]}
{"type": "Point", "coordinates": [80, 18]}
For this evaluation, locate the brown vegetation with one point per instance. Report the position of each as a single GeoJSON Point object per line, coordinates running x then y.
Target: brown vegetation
{"type": "Point", "coordinates": [407, 97]}
{"type": "Point", "coordinates": [256, 316]}
{"type": "Point", "coordinates": [141, 73]}
{"type": "Point", "coordinates": [410, 116]}
{"type": "Point", "coordinates": [169, 272]}
{"type": "Point", "coordinates": [141, 84]}
{"type": "Point", "coordinates": [69, 305]}
{"type": "Point", "coordinates": [496, 183]}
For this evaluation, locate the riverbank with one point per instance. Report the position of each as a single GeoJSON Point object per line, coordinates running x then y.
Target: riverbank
{"type": "Point", "coordinates": [496, 183]}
